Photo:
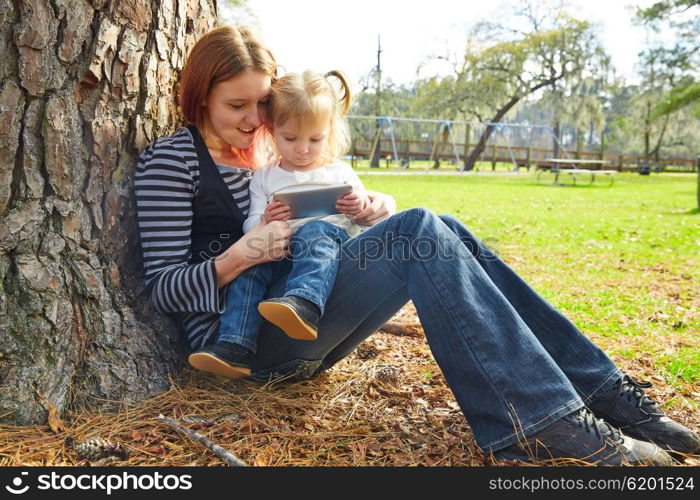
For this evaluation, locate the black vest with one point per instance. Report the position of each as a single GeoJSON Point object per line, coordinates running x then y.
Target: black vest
{"type": "Point", "coordinates": [217, 221]}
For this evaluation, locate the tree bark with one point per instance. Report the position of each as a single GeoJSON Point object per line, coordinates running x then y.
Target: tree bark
{"type": "Point", "coordinates": [85, 86]}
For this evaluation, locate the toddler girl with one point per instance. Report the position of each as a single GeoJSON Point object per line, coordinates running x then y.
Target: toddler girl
{"type": "Point", "coordinates": [305, 118]}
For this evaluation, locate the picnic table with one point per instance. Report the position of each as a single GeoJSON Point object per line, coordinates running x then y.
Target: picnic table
{"type": "Point", "coordinates": [575, 174]}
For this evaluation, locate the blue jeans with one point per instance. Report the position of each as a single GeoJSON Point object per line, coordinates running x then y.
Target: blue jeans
{"type": "Point", "coordinates": [314, 252]}
{"type": "Point", "coordinates": [514, 363]}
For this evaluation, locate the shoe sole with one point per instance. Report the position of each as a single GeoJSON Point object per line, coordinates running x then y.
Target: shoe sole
{"type": "Point", "coordinates": [677, 452]}
{"type": "Point", "coordinates": [658, 459]}
{"type": "Point", "coordinates": [288, 320]}
{"type": "Point", "coordinates": [211, 364]}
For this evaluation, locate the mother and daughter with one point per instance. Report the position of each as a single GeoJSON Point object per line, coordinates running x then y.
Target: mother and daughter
{"type": "Point", "coordinates": [262, 295]}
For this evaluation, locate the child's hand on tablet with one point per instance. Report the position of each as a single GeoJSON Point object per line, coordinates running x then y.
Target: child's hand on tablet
{"type": "Point", "coordinates": [352, 203]}
{"type": "Point", "coordinates": [276, 211]}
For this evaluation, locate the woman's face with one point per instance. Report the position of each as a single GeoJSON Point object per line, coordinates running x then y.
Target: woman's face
{"type": "Point", "coordinates": [235, 109]}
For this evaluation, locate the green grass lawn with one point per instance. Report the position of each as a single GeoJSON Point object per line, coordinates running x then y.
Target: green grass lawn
{"type": "Point", "coordinates": [622, 262]}
{"type": "Point", "coordinates": [362, 165]}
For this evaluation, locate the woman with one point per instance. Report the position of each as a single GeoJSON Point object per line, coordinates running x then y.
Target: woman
{"type": "Point", "coordinates": [520, 371]}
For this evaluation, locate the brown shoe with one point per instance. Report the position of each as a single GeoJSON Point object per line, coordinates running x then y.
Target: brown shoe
{"type": "Point", "coordinates": [297, 317]}
{"type": "Point", "coordinates": [223, 358]}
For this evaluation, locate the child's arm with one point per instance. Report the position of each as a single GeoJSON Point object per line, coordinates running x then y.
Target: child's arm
{"type": "Point", "coordinates": [258, 202]}
{"type": "Point", "coordinates": [275, 210]}
{"type": "Point", "coordinates": [354, 202]}
{"type": "Point", "coordinates": [262, 212]}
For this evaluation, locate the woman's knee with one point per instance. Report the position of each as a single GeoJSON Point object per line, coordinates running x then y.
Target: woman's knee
{"type": "Point", "coordinates": [418, 220]}
{"type": "Point", "coordinates": [424, 212]}
{"type": "Point", "coordinates": [473, 244]}
{"type": "Point", "coordinates": [456, 225]}
{"type": "Point", "coordinates": [450, 219]}
{"type": "Point", "coordinates": [418, 213]}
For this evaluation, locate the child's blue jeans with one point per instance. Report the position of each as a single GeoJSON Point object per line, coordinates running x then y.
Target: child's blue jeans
{"type": "Point", "coordinates": [311, 267]}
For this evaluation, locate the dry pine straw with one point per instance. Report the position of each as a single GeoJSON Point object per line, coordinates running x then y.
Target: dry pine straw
{"type": "Point", "coordinates": [385, 404]}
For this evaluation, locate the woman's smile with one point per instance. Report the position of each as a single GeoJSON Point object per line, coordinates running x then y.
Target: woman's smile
{"type": "Point", "coordinates": [247, 131]}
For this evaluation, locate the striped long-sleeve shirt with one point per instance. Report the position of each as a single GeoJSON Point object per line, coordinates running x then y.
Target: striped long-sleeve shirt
{"type": "Point", "coordinates": [165, 183]}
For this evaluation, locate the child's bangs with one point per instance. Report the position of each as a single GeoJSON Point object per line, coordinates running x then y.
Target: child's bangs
{"type": "Point", "coordinates": [312, 111]}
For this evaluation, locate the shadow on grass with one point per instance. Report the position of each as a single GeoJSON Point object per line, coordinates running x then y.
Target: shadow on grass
{"type": "Point", "coordinates": [692, 211]}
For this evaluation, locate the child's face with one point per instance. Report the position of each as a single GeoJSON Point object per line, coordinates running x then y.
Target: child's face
{"type": "Point", "coordinates": [302, 145]}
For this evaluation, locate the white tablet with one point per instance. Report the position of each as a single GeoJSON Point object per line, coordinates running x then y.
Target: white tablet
{"type": "Point", "coordinates": [312, 200]}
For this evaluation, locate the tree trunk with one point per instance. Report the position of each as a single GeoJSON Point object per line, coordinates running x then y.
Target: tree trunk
{"type": "Point", "coordinates": [556, 139]}
{"type": "Point", "coordinates": [481, 143]}
{"type": "Point", "coordinates": [647, 131]}
{"type": "Point", "coordinates": [486, 134]}
{"type": "Point", "coordinates": [85, 86]}
{"type": "Point", "coordinates": [656, 152]}
{"type": "Point", "coordinates": [579, 142]}
{"type": "Point", "coordinates": [376, 148]}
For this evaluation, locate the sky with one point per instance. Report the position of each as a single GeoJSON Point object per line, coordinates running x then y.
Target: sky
{"type": "Point", "coordinates": [330, 34]}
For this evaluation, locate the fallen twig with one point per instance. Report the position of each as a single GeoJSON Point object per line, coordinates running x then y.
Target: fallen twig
{"type": "Point", "coordinates": [220, 452]}
{"type": "Point", "coordinates": [402, 329]}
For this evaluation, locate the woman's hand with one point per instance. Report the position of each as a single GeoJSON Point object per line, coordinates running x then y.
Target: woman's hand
{"type": "Point", "coordinates": [275, 210]}
{"type": "Point", "coordinates": [352, 203]}
{"type": "Point", "coordinates": [263, 243]}
{"type": "Point", "coordinates": [266, 242]}
{"type": "Point", "coordinates": [380, 206]}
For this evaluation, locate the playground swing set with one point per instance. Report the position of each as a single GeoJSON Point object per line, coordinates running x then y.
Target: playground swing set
{"type": "Point", "coordinates": [437, 134]}
{"type": "Point", "coordinates": [385, 126]}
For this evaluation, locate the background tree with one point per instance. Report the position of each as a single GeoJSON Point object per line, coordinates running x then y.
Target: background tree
{"type": "Point", "coordinates": [687, 48]}
{"type": "Point", "coordinates": [85, 85]}
{"type": "Point", "coordinates": [637, 124]}
{"type": "Point", "coordinates": [578, 101]}
{"type": "Point", "coordinates": [396, 100]}
{"type": "Point", "coordinates": [538, 49]}
{"type": "Point", "coordinates": [682, 17]}
{"type": "Point", "coordinates": [658, 115]}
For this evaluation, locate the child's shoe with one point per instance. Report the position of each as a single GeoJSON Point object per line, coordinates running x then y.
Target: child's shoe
{"type": "Point", "coordinates": [223, 358]}
{"type": "Point", "coordinates": [297, 316]}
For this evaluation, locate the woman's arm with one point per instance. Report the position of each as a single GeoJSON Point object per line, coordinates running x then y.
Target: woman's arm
{"type": "Point", "coordinates": [263, 243]}
{"type": "Point", "coordinates": [164, 189]}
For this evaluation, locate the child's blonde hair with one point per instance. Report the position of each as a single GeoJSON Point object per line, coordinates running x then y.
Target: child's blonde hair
{"type": "Point", "coordinates": [311, 96]}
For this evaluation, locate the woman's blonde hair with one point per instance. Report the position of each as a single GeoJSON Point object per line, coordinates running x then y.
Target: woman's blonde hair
{"type": "Point", "coordinates": [311, 96]}
{"type": "Point", "coordinates": [220, 55]}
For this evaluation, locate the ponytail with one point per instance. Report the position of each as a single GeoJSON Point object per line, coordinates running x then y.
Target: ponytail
{"type": "Point", "coordinates": [345, 98]}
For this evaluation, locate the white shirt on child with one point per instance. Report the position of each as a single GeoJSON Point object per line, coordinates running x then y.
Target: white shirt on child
{"type": "Point", "coordinates": [271, 178]}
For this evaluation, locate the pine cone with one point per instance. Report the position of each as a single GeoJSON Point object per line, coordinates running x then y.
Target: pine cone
{"type": "Point", "coordinates": [98, 448]}
{"type": "Point", "coordinates": [366, 351]}
{"type": "Point", "coordinates": [388, 375]}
